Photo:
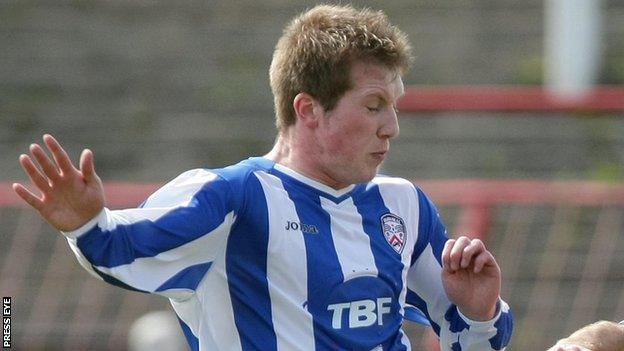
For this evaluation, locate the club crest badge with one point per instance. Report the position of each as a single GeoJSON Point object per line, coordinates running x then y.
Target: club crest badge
{"type": "Point", "coordinates": [394, 231]}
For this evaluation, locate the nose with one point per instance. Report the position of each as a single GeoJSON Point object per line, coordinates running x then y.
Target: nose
{"type": "Point", "coordinates": [389, 127]}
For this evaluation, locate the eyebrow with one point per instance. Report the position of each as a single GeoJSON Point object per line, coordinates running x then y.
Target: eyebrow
{"type": "Point", "coordinates": [379, 95]}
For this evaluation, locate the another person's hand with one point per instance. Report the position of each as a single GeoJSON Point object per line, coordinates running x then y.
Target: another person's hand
{"type": "Point", "coordinates": [568, 348]}
{"type": "Point", "coordinates": [599, 336]}
{"type": "Point", "coordinates": [471, 277]}
{"type": "Point", "coordinates": [69, 197]}
{"type": "Point", "coordinates": [559, 347]}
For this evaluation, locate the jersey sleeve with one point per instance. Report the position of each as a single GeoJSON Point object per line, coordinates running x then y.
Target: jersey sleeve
{"type": "Point", "coordinates": [166, 245]}
{"type": "Point", "coordinates": [426, 292]}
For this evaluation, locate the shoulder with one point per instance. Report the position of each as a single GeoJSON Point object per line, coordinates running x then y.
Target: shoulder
{"type": "Point", "coordinates": [394, 183]}
{"type": "Point", "coordinates": [241, 181]}
{"type": "Point", "coordinates": [238, 174]}
{"type": "Point", "coordinates": [405, 190]}
{"type": "Point", "coordinates": [401, 184]}
{"type": "Point", "coordinates": [397, 193]}
{"type": "Point", "coordinates": [234, 175]}
{"type": "Point", "coordinates": [387, 179]}
{"type": "Point", "coordinates": [181, 189]}
{"type": "Point", "coordinates": [224, 183]}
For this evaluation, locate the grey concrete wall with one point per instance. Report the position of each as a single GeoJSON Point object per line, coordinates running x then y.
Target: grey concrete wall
{"type": "Point", "coordinates": [157, 87]}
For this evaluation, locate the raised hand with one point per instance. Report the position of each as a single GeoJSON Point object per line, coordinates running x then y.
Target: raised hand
{"type": "Point", "coordinates": [471, 277]}
{"type": "Point", "coordinates": [69, 197]}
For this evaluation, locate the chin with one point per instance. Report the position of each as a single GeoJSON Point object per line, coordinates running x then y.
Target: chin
{"type": "Point", "coordinates": [356, 175]}
{"type": "Point", "coordinates": [365, 177]}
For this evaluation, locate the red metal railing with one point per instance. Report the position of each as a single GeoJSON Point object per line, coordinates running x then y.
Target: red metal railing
{"type": "Point", "coordinates": [539, 272]}
{"type": "Point", "coordinates": [508, 98]}
{"type": "Point", "coordinates": [474, 196]}
{"type": "Point", "coordinates": [480, 203]}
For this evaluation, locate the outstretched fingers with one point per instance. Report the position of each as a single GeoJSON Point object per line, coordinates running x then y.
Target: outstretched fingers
{"type": "Point", "coordinates": [28, 196]}
{"type": "Point", "coordinates": [35, 175]}
{"type": "Point", "coordinates": [60, 156]}
{"type": "Point", "coordinates": [68, 198]}
{"type": "Point", "coordinates": [47, 166]}
{"type": "Point", "coordinates": [87, 166]}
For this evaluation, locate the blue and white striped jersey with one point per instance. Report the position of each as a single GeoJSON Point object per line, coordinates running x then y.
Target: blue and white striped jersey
{"type": "Point", "coordinates": [258, 257]}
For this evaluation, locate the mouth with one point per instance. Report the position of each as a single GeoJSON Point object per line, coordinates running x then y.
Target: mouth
{"type": "Point", "coordinates": [379, 155]}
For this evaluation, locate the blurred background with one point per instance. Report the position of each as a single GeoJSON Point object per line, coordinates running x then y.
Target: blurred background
{"type": "Point", "coordinates": [159, 87]}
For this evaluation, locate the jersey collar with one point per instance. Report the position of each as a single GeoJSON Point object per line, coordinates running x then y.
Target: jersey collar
{"type": "Point", "coordinates": [313, 183]}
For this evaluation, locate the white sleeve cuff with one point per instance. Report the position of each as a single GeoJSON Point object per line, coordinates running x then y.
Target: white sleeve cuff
{"type": "Point", "coordinates": [100, 219]}
{"type": "Point", "coordinates": [483, 325]}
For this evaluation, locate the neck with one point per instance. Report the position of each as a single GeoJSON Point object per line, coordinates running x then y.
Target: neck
{"type": "Point", "coordinates": [289, 151]}
{"type": "Point", "coordinates": [281, 152]}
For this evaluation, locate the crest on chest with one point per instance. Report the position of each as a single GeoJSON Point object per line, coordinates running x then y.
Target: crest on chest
{"type": "Point", "coordinates": [393, 229]}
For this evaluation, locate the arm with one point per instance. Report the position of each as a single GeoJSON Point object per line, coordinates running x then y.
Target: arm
{"type": "Point", "coordinates": [162, 247]}
{"type": "Point", "coordinates": [599, 336]}
{"type": "Point", "coordinates": [456, 284]}
{"type": "Point", "coordinates": [167, 245]}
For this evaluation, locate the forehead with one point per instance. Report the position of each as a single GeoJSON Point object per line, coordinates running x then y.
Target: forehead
{"type": "Point", "coordinates": [368, 77]}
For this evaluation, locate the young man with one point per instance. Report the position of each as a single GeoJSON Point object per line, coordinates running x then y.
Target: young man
{"type": "Point", "coordinates": [305, 248]}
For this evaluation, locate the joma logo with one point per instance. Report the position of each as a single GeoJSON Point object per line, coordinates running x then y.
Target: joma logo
{"type": "Point", "coordinates": [306, 228]}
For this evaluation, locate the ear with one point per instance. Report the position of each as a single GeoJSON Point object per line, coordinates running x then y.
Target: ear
{"type": "Point", "coordinates": [307, 109]}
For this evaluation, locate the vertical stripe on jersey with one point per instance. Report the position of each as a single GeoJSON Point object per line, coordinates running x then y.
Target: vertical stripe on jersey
{"type": "Point", "coordinates": [246, 267]}
{"type": "Point", "coordinates": [320, 252]}
{"type": "Point", "coordinates": [353, 247]}
{"type": "Point", "coordinates": [431, 229]}
{"type": "Point", "coordinates": [409, 205]}
{"type": "Point", "coordinates": [189, 314]}
{"type": "Point", "coordinates": [286, 269]}
{"type": "Point", "coordinates": [424, 281]}
{"type": "Point", "coordinates": [372, 207]}
{"type": "Point", "coordinates": [210, 315]}
{"type": "Point", "coordinates": [192, 340]}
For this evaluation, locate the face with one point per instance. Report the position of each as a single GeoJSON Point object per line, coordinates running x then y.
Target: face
{"type": "Point", "coordinates": [354, 137]}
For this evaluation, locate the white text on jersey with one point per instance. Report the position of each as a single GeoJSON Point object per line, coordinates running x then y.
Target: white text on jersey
{"type": "Point", "coordinates": [361, 313]}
